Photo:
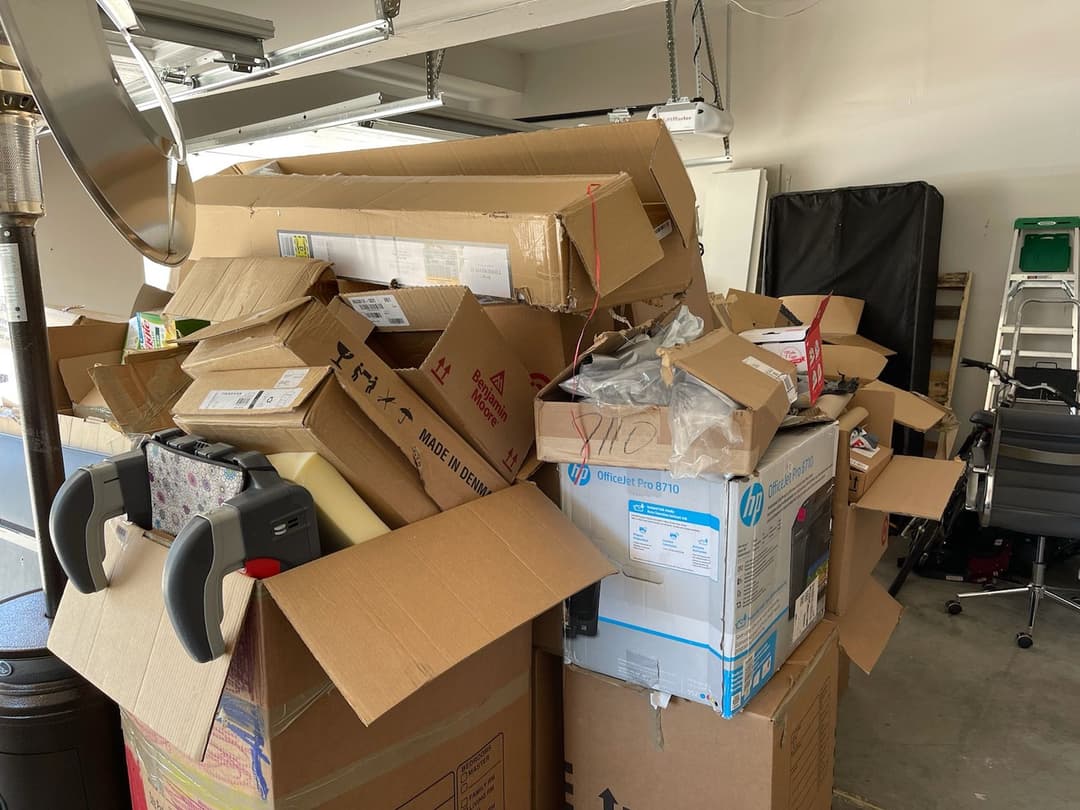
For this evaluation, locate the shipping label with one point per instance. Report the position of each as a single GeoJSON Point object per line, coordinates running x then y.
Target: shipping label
{"type": "Point", "coordinates": [381, 310]}
{"type": "Point", "coordinates": [806, 610]}
{"type": "Point", "coordinates": [776, 374]}
{"type": "Point", "coordinates": [674, 538]}
{"type": "Point", "coordinates": [252, 399]}
{"type": "Point", "coordinates": [291, 378]}
{"type": "Point", "coordinates": [482, 267]}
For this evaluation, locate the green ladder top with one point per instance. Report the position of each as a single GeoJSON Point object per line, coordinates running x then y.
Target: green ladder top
{"type": "Point", "coordinates": [1046, 223]}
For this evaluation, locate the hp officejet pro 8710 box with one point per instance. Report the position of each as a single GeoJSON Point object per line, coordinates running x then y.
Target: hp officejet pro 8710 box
{"type": "Point", "coordinates": [719, 580]}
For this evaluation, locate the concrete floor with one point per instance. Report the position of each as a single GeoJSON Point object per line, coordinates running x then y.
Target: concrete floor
{"type": "Point", "coordinates": [956, 716]}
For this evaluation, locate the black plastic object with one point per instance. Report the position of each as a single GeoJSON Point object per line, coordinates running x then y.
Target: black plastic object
{"type": "Point", "coordinates": [269, 527]}
{"type": "Point", "coordinates": [1063, 379]}
{"type": "Point", "coordinates": [811, 536]}
{"type": "Point", "coordinates": [583, 612]}
{"type": "Point", "coordinates": [60, 740]}
{"type": "Point", "coordinates": [876, 243]}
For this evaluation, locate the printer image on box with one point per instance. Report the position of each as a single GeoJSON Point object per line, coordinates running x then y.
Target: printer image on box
{"type": "Point", "coordinates": [719, 580]}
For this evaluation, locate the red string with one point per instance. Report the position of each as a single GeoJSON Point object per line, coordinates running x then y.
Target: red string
{"type": "Point", "coordinates": [592, 313]}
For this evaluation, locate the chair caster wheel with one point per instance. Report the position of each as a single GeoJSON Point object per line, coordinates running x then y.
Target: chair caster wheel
{"type": "Point", "coordinates": [1024, 640]}
{"type": "Point", "coordinates": [954, 607]}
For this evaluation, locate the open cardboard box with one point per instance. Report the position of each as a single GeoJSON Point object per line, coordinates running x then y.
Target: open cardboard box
{"type": "Point", "coordinates": [569, 430]}
{"type": "Point", "coordinates": [799, 345]}
{"type": "Point", "coordinates": [633, 748]}
{"type": "Point", "coordinates": [281, 410]}
{"type": "Point", "coordinates": [383, 672]}
{"type": "Point", "coordinates": [908, 485]}
{"type": "Point", "coordinates": [306, 333]}
{"type": "Point", "coordinates": [443, 344]}
{"type": "Point", "coordinates": [644, 150]}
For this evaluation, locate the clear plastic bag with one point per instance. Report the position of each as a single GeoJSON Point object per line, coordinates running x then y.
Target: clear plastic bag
{"type": "Point", "coordinates": [703, 430]}
{"type": "Point", "coordinates": [632, 375]}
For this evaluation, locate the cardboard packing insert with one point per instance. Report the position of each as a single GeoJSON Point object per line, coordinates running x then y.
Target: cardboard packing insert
{"type": "Point", "coordinates": [416, 643]}
{"type": "Point", "coordinates": [443, 344]}
{"type": "Point", "coordinates": [644, 151]}
{"type": "Point", "coordinates": [571, 430]}
{"type": "Point", "coordinates": [305, 409]}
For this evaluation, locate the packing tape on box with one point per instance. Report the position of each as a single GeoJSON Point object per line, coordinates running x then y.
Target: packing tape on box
{"type": "Point", "coordinates": [359, 773]}
{"type": "Point", "coordinates": [284, 715]}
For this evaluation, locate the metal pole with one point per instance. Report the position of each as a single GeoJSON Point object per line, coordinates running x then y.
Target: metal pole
{"type": "Point", "coordinates": [23, 309]}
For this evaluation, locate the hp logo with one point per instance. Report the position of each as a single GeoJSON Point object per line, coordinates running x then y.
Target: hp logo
{"type": "Point", "coordinates": [752, 505]}
{"type": "Point", "coordinates": [579, 474]}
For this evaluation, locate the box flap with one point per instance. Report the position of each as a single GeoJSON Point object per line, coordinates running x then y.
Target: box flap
{"type": "Point", "coordinates": [149, 299]}
{"type": "Point", "coordinates": [852, 362]}
{"type": "Point", "coordinates": [865, 630]}
{"type": "Point", "coordinates": [259, 318]}
{"type": "Point", "coordinates": [255, 392]}
{"type": "Point", "coordinates": [912, 410]}
{"type": "Point", "coordinates": [913, 486]}
{"type": "Point", "coordinates": [739, 311]}
{"type": "Point", "coordinates": [140, 393]}
{"type": "Point", "coordinates": [857, 340]}
{"type": "Point", "coordinates": [738, 368]}
{"type": "Point", "coordinates": [121, 641]}
{"type": "Point", "coordinates": [841, 316]}
{"type": "Point", "coordinates": [386, 617]}
{"type": "Point", "coordinates": [608, 224]}
{"type": "Point", "coordinates": [880, 407]}
{"type": "Point", "coordinates": [644, 149]}
{"type": "Point", "coordinates": [852, 418]}
{"type": "Point", "coordinates": [223, 289]}
{"type": "Point", "coordinates": [411, 309]}
{"type": "Point", "coordinates": [75, 371]}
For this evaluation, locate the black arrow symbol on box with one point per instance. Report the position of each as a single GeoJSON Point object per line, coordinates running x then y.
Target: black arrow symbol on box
{"type": "Point", "coordinates": [610, 802]}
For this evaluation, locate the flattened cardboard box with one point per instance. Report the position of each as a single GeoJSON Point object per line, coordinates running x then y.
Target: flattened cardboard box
{"type": "Point", "coordinates": [400, 681]}
{"type": "Point", "coordinates": [139, 393]}
{"type": "Point", "coordinates": [525, 238]}
{"type": "Point", "coordinates": [451, 471]}
{"type": "Point", "coordinates": [626, 747]}
{"type": "Point", "coordinates": [221, 289]}
{"type": "Point", "coordinates": [642, 149]}
{"type": "Point", "coordinates": [304, 409]}
{"type": "Point", "coordinates": [448, 350]}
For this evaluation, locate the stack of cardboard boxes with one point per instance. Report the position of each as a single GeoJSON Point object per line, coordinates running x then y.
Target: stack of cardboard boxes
{"type": "Point", "coordinates": [408, 314]}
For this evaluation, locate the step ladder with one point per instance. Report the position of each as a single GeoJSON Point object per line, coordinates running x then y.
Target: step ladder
{"type": "Point", "coordinates": [1037, 332]}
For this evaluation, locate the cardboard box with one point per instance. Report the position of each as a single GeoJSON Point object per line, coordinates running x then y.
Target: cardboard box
{"type": "Point", "coordinates": [539, 248]}
{"type": "Point", "coordinates": [290, 334]}
{"type": "Point", "coordinates": [864, 468]}
{"type": "Point", "coordinates": [640, 435]}
{"type": "Point", "coordinates": [739, 310]}
{"type": "Point", "coordinates": [305, 409]}
{"type": "Point", "coordinates": [451, 471]}
{"type": "Point", "coordinates": [800, 346]}
{"type": "Point", "coordinates": [695, 297]}
{"type": "Point", "coordinates": [90, 435]}
{"type": "Point", "coordinates": [449, 352]}
{"type": "Point", "coordinates": [626, 749]}
{"type": "Point", "coordinates": [139, 393]}
{"type": "Point", "coordinates": [222, 289]}
{"type": "Point", "coordinates": [642, 149]}
{"type": "Point", "coordinates": [845, 352]}
{"type": "Point", "coordinates": [544, 341]}
{"type": "Point", "coordinates": [718, 580]}
{"type": "Point", "coordinates": [363, 679]}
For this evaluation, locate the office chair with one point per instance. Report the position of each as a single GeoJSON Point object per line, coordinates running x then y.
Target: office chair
{"type": "Point", "coordinates": [1025, 476]}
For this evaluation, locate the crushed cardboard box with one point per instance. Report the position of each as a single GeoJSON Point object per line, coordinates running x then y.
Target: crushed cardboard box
{"type": "Point", "coordinates": [221, 289]}
{"type": "Point", "coordinates": [280, 410]}
{"type": "Point", "coordinates": [640, 435]}
{"type": "Point", "coordinates": [443, 344]}
{"type": "Point", "coordinates": [627, 747]}
{"type": "Point", "coordinates": [644, 150]}
{"type": "Point", "coordinates": [434, 679]}
{"type": "Point", "coordinates": [139, 393]}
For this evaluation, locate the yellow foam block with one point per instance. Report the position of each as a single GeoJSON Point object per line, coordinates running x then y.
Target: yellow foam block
{"type": "Point", "coordinates": [344, 519]}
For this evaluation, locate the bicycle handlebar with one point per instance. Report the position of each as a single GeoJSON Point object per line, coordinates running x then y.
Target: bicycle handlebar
{"type": "Point", "coordinates": [1008, 379]}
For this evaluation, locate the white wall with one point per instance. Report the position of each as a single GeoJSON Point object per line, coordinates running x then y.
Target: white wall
{"type": "Point", "coordinates": [83, 259]}
{"type": "Point", "coordinates": [978, 97]}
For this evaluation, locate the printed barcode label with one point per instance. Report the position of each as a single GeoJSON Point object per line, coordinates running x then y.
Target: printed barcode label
{"type": "Point", "coordinates": [291, 378]}
{"type": "Point", "coordinates": [861, 466]}
{"type": "Point", "coordinates": [806, 609]}
{"type": "Point", "coordinates": [11, 281]}
{"type": "Point", "coordinates": [663, 230]}
{"type": "Point", "coordinates": [257, 399]}
{"type": "Point", "coordinates": [776, 374]}
{"type": "Point", "coordinates": [381, 310]}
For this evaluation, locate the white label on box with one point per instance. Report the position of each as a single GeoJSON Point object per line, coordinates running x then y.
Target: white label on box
{"type": "Point", "coordinates": [256, 399]}
{"type": "Point", "coordinates": [805, 609]}
{"type": "Point", "coordinates": [11, 282]}
{"type": "Point", "coordinates": [381, 310]}
{"type": "Point", "coordinates": [663, 230]}
{"type": "Point", "coordinates": [482, 267]}
{"type": "Point", "coordinates": [291, 378]}
{"type": "Point", "coordinates": [674, 538]}
{"type": "Point", "coordinates": [861, 466]}
{"type": "Point", "coordinates": [776, 374]}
